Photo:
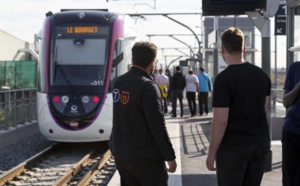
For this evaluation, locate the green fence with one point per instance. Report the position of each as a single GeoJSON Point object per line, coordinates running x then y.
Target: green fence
{"type": "Point", "coordinates": [18, 74]}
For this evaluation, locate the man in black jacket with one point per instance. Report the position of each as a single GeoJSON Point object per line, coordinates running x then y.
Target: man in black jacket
{"type": "Point", "coordinates": [139, 141]}
{"type": "Point", "coordinates": [177, 87]}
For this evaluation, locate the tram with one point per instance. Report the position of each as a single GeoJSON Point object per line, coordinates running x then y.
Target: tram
{"type": "Point", "coordinates": [82, 52]}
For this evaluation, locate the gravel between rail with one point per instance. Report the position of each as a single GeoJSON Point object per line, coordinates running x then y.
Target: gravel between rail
{"type": "Point", "coordinates": [18, 153]}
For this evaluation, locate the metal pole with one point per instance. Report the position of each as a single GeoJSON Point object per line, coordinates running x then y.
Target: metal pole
{"type": "Point", "coordinates": [275, 58]}
{"type": "Point", "coordinates": [266, 66]}
{"type": "Point", "coordinates": [216, 50]}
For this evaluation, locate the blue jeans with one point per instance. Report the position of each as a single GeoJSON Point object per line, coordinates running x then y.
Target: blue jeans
{"type": "Point", "coordinates": [241, 166]}
{"type": "Point", "coordinates": [142, 172]}
{"type": "Point", "coordinates": [290, 158]}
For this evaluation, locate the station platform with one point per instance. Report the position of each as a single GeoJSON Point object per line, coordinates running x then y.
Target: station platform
{"type": "Point", "coordinates": [190, 139]}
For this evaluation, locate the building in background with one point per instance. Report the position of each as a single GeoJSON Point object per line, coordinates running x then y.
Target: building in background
{"type": "Point", "coordinates": [13, 48]}
{"type": "Point", "coordinates": [18, 63]}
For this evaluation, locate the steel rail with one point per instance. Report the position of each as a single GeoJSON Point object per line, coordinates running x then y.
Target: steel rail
{"type": "Point", "coordinates": [99, 165]}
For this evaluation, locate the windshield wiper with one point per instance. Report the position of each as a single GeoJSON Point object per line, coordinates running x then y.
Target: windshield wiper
{"type": "Point", "coordinates": [63, 72]}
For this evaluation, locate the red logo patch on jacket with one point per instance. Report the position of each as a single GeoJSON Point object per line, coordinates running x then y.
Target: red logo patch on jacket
{"type": "Point", "coordinates": [125, 97]}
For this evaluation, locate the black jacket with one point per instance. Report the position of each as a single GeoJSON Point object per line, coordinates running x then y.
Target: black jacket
{"type": "Point", "coordinates": [139, 129]}
{"type": "Point", "coordinates": [178, 81]}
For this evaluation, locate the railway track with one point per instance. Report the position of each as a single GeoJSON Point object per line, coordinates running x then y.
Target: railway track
{"type": "Point", "coordinates": [64, 164]}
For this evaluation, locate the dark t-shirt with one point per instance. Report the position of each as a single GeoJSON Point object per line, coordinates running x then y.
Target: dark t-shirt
{"type": "Point", "coordinates": [243, 88]}
{"type": "Point", "coordinates": [292, 120]}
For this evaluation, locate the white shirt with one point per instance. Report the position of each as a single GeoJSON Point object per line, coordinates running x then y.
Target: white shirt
{"type": "Point", "coordinates": [162, 79]}
{"type": "Point", "coordinates": [191, 83]}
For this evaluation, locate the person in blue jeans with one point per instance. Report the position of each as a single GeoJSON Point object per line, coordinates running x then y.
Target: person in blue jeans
{"type": "Point", "coordinates": [204, 89]}
{"type": "Point", "coordinates": [240, 139]}
{"type": "Point", "coordinates": [291, 128]}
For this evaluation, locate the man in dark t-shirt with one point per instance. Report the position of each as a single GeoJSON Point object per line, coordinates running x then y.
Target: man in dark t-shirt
{"type": "Point", "coordinates": [240, 140]}
{"type": "Point", "coordinates": [291, 128]}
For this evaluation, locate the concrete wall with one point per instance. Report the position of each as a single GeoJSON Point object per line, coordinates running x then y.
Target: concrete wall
{"type": "Point", "coordinates": [15, 135]}
{"type": "Point", "coordinates": [9, 45]}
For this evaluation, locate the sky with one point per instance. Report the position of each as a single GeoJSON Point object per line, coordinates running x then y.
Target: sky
{"type": "Point", "coordinates": [24, 18]}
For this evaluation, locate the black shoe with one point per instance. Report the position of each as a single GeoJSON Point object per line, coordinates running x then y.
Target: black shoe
{"type": "Point", "coordinates": [172, 116]}
{"type": "Point", "coordinates": [200, 114]}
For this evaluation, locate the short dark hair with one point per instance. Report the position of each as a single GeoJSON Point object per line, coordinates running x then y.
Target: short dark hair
{"type": "Point", "coordinates": [201, 69]}
{"type": "Point", "coordinates": [143, 53]}
{"type": "Point", "coordinates": [178, 68]}
{"type": "Point", "coordinates": [233, 40]}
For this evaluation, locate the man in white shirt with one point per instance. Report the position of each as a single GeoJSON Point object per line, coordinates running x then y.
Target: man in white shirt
{"type": "Point", "coordinates": [163, 82]}
{"type": "Point", "coordinates": [192, 86]}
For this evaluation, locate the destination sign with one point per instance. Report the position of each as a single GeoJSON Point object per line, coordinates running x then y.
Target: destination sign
{"type": "Point", "coordinates": [82, 29]}
{"type": "Point", "coordinates": [78, 29]}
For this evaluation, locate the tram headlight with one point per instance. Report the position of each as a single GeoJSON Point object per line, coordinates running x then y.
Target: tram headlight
{"type": "Point", "coordinates": [56, 99]}
{"type": "Point", "coordinates": [85, 99]}
{"type": "Point", "coordinates": [65, 99]}
{"type": "Point", "coordinates": [96, 99]}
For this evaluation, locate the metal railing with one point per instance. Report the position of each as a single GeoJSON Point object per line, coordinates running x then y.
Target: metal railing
{"type": "Point", "coordinates": [17, 107]}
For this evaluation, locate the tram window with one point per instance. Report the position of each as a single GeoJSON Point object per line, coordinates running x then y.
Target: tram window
{"type": "Point", "coordinates": [83, 75]}
{"type": "Point", "coordinates": [81, 63]}
{"type": "Point", "coordinates": [92, 52]}
{"type": "Point", "coordinates": [118, 52]}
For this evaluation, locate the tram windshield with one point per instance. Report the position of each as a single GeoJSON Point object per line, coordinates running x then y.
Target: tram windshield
{"type": "Point", "coordinates": [78, 60]}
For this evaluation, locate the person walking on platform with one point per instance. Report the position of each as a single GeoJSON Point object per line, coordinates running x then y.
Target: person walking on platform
{"type": "Point", "coordinates": [169, 97]}
{"type": "Point", "coordinates": [204, 89]}
{"type": "Point", "coordinates": [154, 74]}
{"type": "Point", "coordinates": [177, 87]}
{"type": "Point", "coordinates": [240, 139]}
{"type": "Point", "coordinates": [139, 140]}
{"type": "Point", "coordinates": [192, 87]}
{"type": "Point", "coordinates": [163, 83]}
{"type": "Point", "coordinates": [291, 128]}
